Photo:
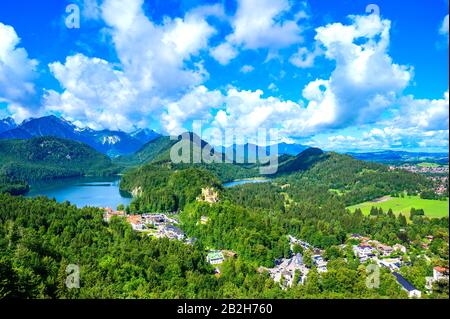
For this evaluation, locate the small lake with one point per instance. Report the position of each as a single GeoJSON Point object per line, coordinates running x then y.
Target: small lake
{"type": "Point", "coordinates": [245, 181]}
{"type": "Point", "coordinates": [83, 191]}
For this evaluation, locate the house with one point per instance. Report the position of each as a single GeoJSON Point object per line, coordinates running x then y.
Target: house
{"type": "Point", "coordinates": [284, 272]}
{"type": "Point", "coordinates": [363, 251]}
{"type": "Point", "coordinates": [109, 213]}
{"type": "Point", "coordinates": [215, 257]}
{"type": "Point", "coordinates": [440, 273]}
{"type": "Point", "coordinates": [203, 220]}
{"type": "Point", "coordinates": [398, 247]}
{"type": "Point", "coordinates": [412, 291]}
{"type": "Point", "coordinates": [136, 222]}
{"type": "Point", "coordinates": [385, 250]}
{"type": "Point", "coordinates": [171, 232]}
{"type": "Point", "coordinates": [155, 219]}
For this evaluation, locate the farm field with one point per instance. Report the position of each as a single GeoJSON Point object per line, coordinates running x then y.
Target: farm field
{"type": "Point", "coordinates": [432, 208]}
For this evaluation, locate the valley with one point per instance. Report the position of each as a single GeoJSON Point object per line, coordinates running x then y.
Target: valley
{"type": "Point", "coordinates": [219, 227]}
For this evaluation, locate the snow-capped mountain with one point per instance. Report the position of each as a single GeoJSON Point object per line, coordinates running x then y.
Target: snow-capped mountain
{"type": "Point", "coordinates": [144, 135]}
{"type": "Point", "coordinates": [112, 143]}
{"type": "Point", "coordinates": [7, 124]}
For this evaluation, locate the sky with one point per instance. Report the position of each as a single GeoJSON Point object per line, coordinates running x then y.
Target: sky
{"type": "Point", "coordinates": [344, 75]}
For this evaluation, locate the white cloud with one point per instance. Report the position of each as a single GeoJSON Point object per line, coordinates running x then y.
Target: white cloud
{"type": "Point", "coordinates": [195, 105]}
{"type": "Point", "coordinates": [247, 68]}
{"type": "Point", "coordinates": [95, 93]}
{"type": "Point", "coordinates": [158, 64]}
{"type": "Point", "coordinates": [154, 56]}
{"type": "Point", "coordinates": [273, 87]}
{"type": "Point", "coordinates": [247, 111]}
{"type": "Point", "coordinates": [304, 58]}
{"type": "Point", "coordinates": [224, 53]}
{"type": "Point", "coordinates": [17, 70]}
{"type": "Point", "coordinates": [353, 94]}
{"type": "Point", "coordinates": [424, 114]}
{"type": "Point", "coordinates": [444, 26]}
{"type": "Point", "coordinates": [260, 24]}
{"type": "Point", "coordinates": [390, 138]}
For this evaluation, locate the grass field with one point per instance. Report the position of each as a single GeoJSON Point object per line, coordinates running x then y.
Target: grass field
{"type": "Point", "coordinates": [425, 164]}
{"type": "Point", "coordinates": [432, 208]}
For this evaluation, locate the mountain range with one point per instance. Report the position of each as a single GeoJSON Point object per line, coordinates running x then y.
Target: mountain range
{"type": "Point", "coordinates": [111, 143]}
{"type": "Point", "coordinates": [252, 151]}
{"type": "Point", "coordinates": [43, 158]}
{"type": "Point", "coordinates": [119, 143]}
{"type": "Point", "coordinates": [396, 157]}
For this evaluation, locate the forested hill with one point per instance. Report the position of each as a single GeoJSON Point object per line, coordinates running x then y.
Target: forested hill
{"type": "Point", "coordinates": [153, 150]}
{"type": "Point", "coordinates": [159, 150]}
{"type": "Point", "coordinates": [161, 188]}
{"type": "Point", "coordinates": [50, 158]}
{"type": "Point", "coordinates": [353, 180]}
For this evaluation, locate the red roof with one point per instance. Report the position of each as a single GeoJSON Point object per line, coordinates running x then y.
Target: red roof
{"type": "Point", "coordinates": [441, 269]}
{"type": "Point", "coordinates": [134, 219]}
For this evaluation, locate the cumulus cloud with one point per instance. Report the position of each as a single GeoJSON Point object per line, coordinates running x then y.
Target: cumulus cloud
{"type": "Point", "coordinates": [224, 53]}
{"type": "Point", "coordinates": [247, 68]}
{"type": "Point", "coordinates": [424, 114]}
{"type": "Point", "coordinates": [247, 111]}
{"type": "Point", "coordinates": [260, 24]}
{"type": "Point", "coordinates": [195, 105]}
{"type": "Point", "coordinates": [380, 138]}
{"type": "Point", "coordinates": [152, 55]}
{"type": "Point", "coordinates": [353, 94]}
{"type": "Point", "coordinates": [158, 64]}
{"type": "Point", "coordinates": [17, 73]}
{"type": "Point", "coordinates": [96, 93]}
{"type": "Point", "coordinates": [304, 58]}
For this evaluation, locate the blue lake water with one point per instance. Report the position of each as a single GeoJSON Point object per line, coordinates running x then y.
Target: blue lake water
{"type": "Point", "coordinates": [84, 191]}
{"type": "Point", "coordinates": [245, 181]}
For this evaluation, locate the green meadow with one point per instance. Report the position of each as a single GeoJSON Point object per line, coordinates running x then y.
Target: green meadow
{"type": "Point", "coordinates": [426, 164]}
{"type": "Point", "coordinates": [432, 208]}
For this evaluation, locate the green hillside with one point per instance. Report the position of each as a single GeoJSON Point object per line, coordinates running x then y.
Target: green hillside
{"type": "Point", "coordinates": [158, 152]}
{"type": "Point", "coordinates": [49, 158]}
{"type": "Point", "coordinates": [432, 208]}
{"type": "Point", "coordinates": [158, 187]}
{"type": "Point", "coordinates": [154, 150]}
{"type": "Point", "coordinates": [345, 178]}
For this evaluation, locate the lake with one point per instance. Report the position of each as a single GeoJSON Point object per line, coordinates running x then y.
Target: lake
{"type": "Point", "coordinates": [245, 181]}
{"type": "Point", "coordinates": [83, 191]}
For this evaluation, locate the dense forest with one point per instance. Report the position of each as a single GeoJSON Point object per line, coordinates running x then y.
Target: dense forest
{"type": "Point", "coordinates": [49, 158]}
{"type": "Point", "coordinates": [39, 238]}
{"type": "Point", "coordinates": [161, 188]}
{"type": "Point", "coordinates": [13, 186]}
{"type": "Point", "coordinates": [307, 199]}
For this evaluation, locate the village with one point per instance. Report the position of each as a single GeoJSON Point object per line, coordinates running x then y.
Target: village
{"type": "Point", "coordinates": [159, 225]}
{"type": "Point", "coordinates": [367, 250]}
{"type": "Point", "coordinates": [288, 270]}
{"type": "Point", "coordinates": [437, 173]}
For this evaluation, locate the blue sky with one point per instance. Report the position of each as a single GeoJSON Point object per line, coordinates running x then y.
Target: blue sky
{"type": "Point", "coordinates": [324, 73]}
